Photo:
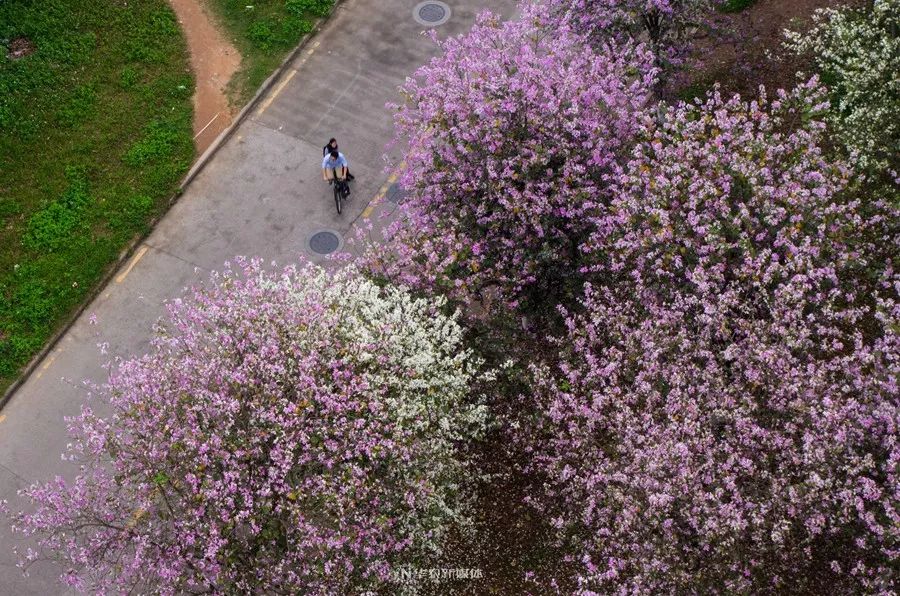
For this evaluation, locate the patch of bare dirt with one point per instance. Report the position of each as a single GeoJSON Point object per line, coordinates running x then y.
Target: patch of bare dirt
{"type": "Point", "coordinates": [746, 51]}
{"type": "Point", "coordinates": [214, 61]}
{"type": "Point", "coordinates": [19, 48]}
{"type": "Point", "coordinates": [511, 550]}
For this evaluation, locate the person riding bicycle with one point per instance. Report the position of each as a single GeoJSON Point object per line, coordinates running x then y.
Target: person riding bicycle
{"type": "Point", "coordinates": [335, 166]}
{"type": "Point", "coordinates": [333, 146]}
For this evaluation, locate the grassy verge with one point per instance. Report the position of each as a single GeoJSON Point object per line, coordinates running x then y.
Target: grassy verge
{"type": "Point", "coordinates": [95, 134]}
{"type": "Point", "coordinates": [265, 31]}
{"type": "Point", "coordinates": [735, 5]}
{"type": "Point", "coordinates": [695, 90]}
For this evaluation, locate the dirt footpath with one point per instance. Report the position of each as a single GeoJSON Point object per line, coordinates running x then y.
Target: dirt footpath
{"type": "Point", "coordinates": [214, 61]}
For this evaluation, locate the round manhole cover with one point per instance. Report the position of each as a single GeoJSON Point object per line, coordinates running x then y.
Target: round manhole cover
{"type": "Point", "coordinates": [431, 14]}
{"type": "Point", "coordinates": [396, 194]}
{"type": "Point", "coordinates": [324, 242]}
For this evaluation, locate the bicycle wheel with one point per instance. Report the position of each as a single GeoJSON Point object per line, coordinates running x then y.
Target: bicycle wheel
{"type": "Point", "coordinates": [337, 197]}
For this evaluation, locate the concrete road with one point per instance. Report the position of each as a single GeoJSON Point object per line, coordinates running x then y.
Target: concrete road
{"type": "Point", "coordinates": [261, 195]}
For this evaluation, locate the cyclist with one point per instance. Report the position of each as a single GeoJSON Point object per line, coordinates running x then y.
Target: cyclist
{"type": "Point", "coordinates": [335, 166]}
{"type": "Point", "coordinates": [333, 146]}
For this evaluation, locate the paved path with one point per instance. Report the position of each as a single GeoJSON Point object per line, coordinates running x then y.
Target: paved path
{"type": "Point", "coordinates": [262, 195]}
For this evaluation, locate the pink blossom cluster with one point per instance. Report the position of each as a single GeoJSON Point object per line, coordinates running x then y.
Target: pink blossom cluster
{"type": "Point", "coordinates": [290, 432]}
{"type": "Point", "coordinates": [720, 412]}
{"type": "Point", "coordinates": [628, 15]}
{"type": "Point", "coordinates": [723, 412]}
{"type": "Point", "coordinates": [667, 25]}
{"type": "Point", "coordinates": [512, 133]}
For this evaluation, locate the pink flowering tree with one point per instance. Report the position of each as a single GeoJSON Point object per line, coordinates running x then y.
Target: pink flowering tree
{"type": "Point", "coordinates": [668, 25]}
{"type": "Point", "coordinates": [289, 433]}
{"type": "Point", "coordinates": [512, 133]}
{"type": "Point", "coordinates": [723, 412]}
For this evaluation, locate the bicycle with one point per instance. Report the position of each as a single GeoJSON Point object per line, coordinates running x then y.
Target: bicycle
{"type": "Point", "coordinates": [341, 191]}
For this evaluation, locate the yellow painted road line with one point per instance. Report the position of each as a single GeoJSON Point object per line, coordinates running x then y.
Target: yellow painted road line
{"type": "Point", "coordinates": [46, 365]}
{"type": "Point", "coordinates": [383, 190]}
{"type": "Point", "coordinates": [374, 202]}
{"type": "Point", "coordinates": [2, 417]}
{"type": "Point", "coordinates": [121, 277]}
{"type": "Point", "coordinates": [278, 89]}
{"type": "Point", "coordinates": [310, 51]}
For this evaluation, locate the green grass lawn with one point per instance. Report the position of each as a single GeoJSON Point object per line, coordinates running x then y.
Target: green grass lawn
{"type": "Point", "coordinates": [735, 5]}
{"type": "Point", "coordinates": [264, 31]}
{"type": "Point", "coordinates": [95, 134]}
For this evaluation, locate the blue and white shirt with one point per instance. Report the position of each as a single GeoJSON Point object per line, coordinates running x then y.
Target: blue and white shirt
{"type": "Point", "coordinates": [331, 163]}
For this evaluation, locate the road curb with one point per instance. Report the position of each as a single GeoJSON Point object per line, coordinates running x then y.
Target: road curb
{"type": "Point", "coordinates": [195, 170]}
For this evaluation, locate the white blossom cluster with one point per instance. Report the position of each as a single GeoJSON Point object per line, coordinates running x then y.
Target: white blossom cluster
{"type": "Point", "coordinates": [858, 53]}
{"type": "Point", "coordinates": [412, 352]}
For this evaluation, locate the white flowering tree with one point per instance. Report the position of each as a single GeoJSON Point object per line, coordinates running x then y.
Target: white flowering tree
{"type": "Point", "coordinates": [858, 54]}
{"type": "Point", "coordinates": [291, 433]}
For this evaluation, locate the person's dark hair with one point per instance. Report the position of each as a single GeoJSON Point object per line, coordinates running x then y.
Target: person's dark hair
{"type": "Point", "coordinates": [330, 141]}
{"type": "Point", "coordinates": [334, 153]}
